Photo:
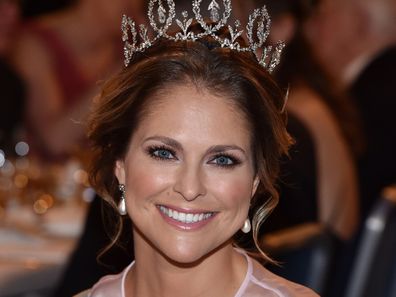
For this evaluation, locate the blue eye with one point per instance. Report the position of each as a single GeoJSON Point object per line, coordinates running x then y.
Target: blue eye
{"type": "Point", "coordinates": [224, 161]}
{"type": "Point", "coordinates": [165, 154]}
{"type": "Point", "coordinates": [161, 153]}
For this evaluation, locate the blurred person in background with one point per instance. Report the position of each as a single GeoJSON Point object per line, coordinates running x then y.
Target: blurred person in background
{"type": "Point", "coordinates": [12, 87]}
{"type": "Point", "coordinates": [61, 56]}
{"type": "Point", "coordinates": [356, 41]}
{"type": "Point", "coordinates": [84, 267]}
{"type": "Point", "coordinates": [316, 101]}
{"type": "Point", "coordinates": [327, 194]}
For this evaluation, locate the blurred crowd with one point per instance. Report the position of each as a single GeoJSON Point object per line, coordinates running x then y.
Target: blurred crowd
{"type": "Point", "coordinates": [339, 67]}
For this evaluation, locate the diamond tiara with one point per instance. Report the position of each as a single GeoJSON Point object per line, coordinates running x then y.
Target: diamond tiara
{"type": "Point", "coordinates": [161, 19]}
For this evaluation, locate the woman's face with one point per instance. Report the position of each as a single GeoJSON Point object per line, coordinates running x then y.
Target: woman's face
{"type": "Point", "coordinates": [189, 173]}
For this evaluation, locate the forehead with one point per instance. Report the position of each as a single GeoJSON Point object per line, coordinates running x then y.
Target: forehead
{"type": "Point", "coordinates": [184, 109]}
{"type": "Point", "coordinates": [189, 96]}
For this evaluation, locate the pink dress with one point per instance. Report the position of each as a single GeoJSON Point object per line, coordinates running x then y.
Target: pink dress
{"type": "Point", "coordinates": [258, 282]}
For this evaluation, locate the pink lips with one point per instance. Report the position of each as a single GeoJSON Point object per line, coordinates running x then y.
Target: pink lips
{"type": "Point", "coordinates": [186, 220]}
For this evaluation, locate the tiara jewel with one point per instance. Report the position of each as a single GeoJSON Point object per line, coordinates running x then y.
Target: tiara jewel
{"type": "Point", "coordinates": [162, 15]}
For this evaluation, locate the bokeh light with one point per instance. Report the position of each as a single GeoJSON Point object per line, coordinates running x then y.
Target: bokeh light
{"type": "Point", "coordinates": [8, 169]}
{"type": "Point", "coordinates": [80, 176]}
{"type": "Point", "coordinates": [2, 158]}
{"type": "Point", "coordinates": [88, 195]}
{"type": "Point", "coordinates": [21, 181]}
{"type": "Point", "coordinates": [40, 206]}
{"type": "Point", "coordinates": [48, 199]}
{"type": "Point", "coordinates": [22, 148]}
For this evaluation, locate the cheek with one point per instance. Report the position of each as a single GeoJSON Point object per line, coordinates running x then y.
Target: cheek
{"type": "Point", "coordinates": [143, 183]}
{"type": "Point", "coordinates": [233, 191]}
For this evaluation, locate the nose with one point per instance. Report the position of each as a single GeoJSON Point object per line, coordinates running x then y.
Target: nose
{"type": "Point", "coordinates": [189, 183]}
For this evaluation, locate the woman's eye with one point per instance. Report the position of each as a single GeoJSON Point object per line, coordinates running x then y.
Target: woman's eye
{"type": "Point", "coordinates": [224, 161]}
{"type": "Point", "coordinates": [165, 154]}
{"type": "Point", "coordinates": [162, 153]}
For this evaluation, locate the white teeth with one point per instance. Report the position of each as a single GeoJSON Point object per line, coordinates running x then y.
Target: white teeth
{"type": "Point", "coordinates": [175, 215]}
{"type": "Point", "coordinates": [182, 217]}
{"type": "Point", "coordinates": [185, 217]}
{"type": "Point", "coordinates": [189, 218]}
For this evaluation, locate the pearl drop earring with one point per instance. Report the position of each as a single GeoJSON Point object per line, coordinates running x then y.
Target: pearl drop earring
{"type": "Point", "coordinates": [122, 205]}
{"type": "Point", "coordinates": [246, 226]}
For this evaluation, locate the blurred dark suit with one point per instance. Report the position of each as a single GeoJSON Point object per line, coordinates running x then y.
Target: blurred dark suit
{"type": "Point", "coordinates": [375, 98]}
{"type": "Point", "coordinates": [375, 94]}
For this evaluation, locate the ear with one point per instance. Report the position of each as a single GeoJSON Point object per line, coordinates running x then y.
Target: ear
{"type": "Point", "coordinates": [119, 171]}
{"type": "Point", "coordinates": [256, 183]}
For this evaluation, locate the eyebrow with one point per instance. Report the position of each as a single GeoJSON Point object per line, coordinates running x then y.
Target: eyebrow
{"type": "Point", "coordinates": [212, 150]}
{"type": "Point", "coordinates": [166, 140]}
{"type": "Point", "coordinates": [222, 148]}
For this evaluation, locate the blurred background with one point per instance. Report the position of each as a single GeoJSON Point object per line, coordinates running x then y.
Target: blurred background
{"type": "Point", "coordinates": [335, 227]}
{"type": "Point", "coordinates": [49, 73]}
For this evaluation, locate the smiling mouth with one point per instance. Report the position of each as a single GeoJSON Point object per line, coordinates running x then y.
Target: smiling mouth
{"type": "Point", "coordinates": [185, 217]}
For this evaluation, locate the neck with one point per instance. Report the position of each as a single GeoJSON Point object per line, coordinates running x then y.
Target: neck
{"type": "Point", "coordinates": [156, 275]}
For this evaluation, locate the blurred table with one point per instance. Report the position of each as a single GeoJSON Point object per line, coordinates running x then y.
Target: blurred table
{"type": "Point", "coordinates": [34, 249]}
{"type": "Point", "coordinates": [42, 209]}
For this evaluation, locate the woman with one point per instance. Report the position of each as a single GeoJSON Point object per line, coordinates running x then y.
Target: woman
{"type": "Point", "coordinates": [184, 139]}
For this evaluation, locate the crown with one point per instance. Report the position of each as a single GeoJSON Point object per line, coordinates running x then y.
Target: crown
{"type": "Point", "coordinates": [162, 17]}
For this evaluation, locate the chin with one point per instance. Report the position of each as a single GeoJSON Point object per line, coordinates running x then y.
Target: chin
{"type": "Point", "coordinates": [188, 256]}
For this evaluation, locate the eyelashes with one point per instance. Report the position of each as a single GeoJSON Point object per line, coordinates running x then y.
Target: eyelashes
{"type": "Point", "coordinates": [161, 152]}
{"type": "Point", "coordinates": [225, 160]}
{"type": "Point", "coordinates": [164, 153]}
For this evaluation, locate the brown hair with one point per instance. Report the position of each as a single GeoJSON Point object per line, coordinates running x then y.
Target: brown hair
{"type": "Point", "coordinates": [245, 83]}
